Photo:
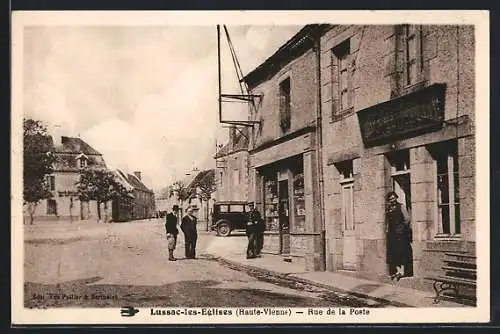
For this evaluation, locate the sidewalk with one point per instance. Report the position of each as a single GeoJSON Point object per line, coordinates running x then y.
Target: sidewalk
{"type": "Point", "coordinates": [232, 250]}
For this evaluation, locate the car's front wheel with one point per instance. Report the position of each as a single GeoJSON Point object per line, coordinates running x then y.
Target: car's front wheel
{"type": "Point", "coordinates": [223, 229]}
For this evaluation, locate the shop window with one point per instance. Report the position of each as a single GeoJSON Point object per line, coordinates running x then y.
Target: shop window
{"type": "Point", "coordinates": [346, 172]}
{"type": "Point", "coordinates": [271, 204]}
{"type": "Point", "coordinates": [51, 181]}
{"type": "Point", "coordinates": [400, 176]}
{"type": "Point", "coordinates": [285, 105]}
{"type": "Point", "coordinates": [343, 76]}
{"type": "Point", "coordinates": [51, 207]}
{"type": "Point", "coordinates": [447, 185]}
{"type": "Point", "coordinates": [299, 202]}
{"type": "Point", "coordinates": [413, 53]}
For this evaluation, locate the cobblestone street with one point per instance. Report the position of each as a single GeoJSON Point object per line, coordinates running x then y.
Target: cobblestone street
{"type": "Point", "coordinates": [111, 265]}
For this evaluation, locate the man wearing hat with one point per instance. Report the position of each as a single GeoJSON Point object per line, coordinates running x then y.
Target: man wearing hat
{"type": "Point", "coordinates": [255, 232]}
{"type": "Point", "coordinates": [188, 227]}
{"type": "Point", "coordinates": [172, 231]}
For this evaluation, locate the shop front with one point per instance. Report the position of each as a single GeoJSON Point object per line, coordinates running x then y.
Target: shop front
{"type": "Point", "coordinates": [286, 192]}
{"type": "Point", "coordinates": [407, 147]}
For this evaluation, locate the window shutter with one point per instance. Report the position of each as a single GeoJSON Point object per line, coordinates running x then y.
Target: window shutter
{"type": "Point", "coordinates": [350, 80]}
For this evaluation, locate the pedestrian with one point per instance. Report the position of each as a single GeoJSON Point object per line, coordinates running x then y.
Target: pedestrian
{"type": "Point", "coordinates": [255, 232]}
{"type": "Point", "coordinates": [399, 238]}
{"type": "Point", "coordinates": [188, 227]}
{"type": "Point", "coordinates": [171, 228]}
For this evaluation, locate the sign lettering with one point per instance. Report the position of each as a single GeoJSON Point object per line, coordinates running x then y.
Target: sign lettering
{"type": "Point", "coordinates": [412, 114]}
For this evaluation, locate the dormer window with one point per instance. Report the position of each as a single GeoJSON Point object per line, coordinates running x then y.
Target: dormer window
{"type": "Point", "coordinates": [82, 160]}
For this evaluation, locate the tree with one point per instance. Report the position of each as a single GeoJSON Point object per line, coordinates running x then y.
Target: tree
{"type": "Point", "coordinates": [37, 163]}
{"type": "Point", "coordinates": [100, 185]}
{"type": "Point", "coordinates": [182, 191]}
{"type": "Point", "coordinates": [207, 184]}
{"type": "Point", "coordinates": [205, 181]}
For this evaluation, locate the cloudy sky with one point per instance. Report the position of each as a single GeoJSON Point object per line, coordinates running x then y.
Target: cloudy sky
{"type": "Point", "coordinates": [144, 96]}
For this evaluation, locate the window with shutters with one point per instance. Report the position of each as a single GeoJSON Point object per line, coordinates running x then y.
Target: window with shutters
{"type": "Point", "coordinates": [447, 188]}
{"type": "Point", "coordinates": [51, 181]}
{"type": "Point", "coordinates": [285, 105]}
{"type": "Point", "coordinates": [413, 54]}
{"type": "Point", "coordinates": [342, 93]}
{"type": "Point", "coordinates": [51, 207]}
{"type": "Point", "coordinates": [401, 176]}
{"type": "Point", "coordinates": [345, 170]}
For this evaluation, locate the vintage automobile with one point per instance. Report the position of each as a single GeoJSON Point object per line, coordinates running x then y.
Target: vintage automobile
{"type": "Point", "coordinates": [229, 216]}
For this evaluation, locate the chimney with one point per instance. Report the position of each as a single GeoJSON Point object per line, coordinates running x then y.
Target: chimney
{"type": "Point", "coordinates": [57, 135]}
{"type": "Point", "coordinates": [138, 175]}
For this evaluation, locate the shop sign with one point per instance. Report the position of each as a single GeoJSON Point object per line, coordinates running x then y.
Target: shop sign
{"type": "Point", "coordinates": [410, 115]}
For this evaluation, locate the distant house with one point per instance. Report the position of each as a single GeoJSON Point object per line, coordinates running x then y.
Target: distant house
{"type": "Point", "coordinates": [71, 155]}
{"type": "Point", "coordinates": [143, 206]}
{"type": "Point", "coordinates": [232, 177]}
{"type": "Point", "coordinates": [202, 194]}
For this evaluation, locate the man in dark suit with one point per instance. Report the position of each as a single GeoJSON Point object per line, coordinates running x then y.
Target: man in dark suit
{"type": "Point", "coordinates": [188, 227]}
{"type": "Point", "coordinates": [171, 228]}
{"type": "Point", "coordinates": [255, 232]}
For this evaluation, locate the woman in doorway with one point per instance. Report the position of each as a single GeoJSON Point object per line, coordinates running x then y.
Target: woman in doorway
{"type": "Point", "coordinates": [399, 238]}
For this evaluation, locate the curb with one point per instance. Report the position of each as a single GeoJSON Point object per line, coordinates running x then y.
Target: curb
{"type": "Point", "coordinates": [291, 277]}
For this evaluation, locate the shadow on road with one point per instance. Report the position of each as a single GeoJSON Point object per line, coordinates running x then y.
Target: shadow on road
{"type": "Point", "coordinates": [195, 293]}
{"type": "Point", "coordinates": [56, 241]}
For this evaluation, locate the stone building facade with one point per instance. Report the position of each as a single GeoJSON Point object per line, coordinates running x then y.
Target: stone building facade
{"type": "Point", "coordinates": [348, 113]}
{"type": "Point", "coordinates": [231, 173]}
{"type": "Point", "coordinates": [284, 162]}
{"type": "Point", "coordinates": [71, 155]}
{"type": "Point", "coordinates": [143, 199]}
{"type": "Point", "coordinates": [398, 114]}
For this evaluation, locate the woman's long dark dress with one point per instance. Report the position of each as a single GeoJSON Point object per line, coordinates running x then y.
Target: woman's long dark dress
{"type": "Point", "coordinates": [399, 238]}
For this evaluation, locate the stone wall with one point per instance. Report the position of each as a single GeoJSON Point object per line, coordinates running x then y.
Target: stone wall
{"type": "Point", "coordinates": [377, 77]}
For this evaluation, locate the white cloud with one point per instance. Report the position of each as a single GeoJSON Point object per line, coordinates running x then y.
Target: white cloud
{"type": "Point", "coordinates": [146, 98]}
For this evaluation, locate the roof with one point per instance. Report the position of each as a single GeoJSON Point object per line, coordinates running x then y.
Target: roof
{"type": "Point", "coordinates": [296, 46]}
{"type": "Point", "coordinates": [75, 145]}
{"type": "Point", "coordinates": [123, 180]}
{"type": "Point", "coordinates": [137, 184]}
{"type": "Point", "coordinates": [240, 143]}
{"type": "Point", "coordinates": [133, 181]}
{"type": "Point", "coordinates": [203, 178]}
{"type": "Point", "coordinates": [68, 162]}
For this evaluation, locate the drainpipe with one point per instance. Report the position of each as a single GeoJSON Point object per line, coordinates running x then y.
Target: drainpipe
{"type": "Point", "coordinates": [319, 153]}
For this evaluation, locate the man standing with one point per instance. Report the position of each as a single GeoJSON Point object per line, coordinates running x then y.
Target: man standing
{"type": "Point", "coordinates": [172, 231]}
{"type": "Point", "coordinates": [255, 232]}
{"type": "Point", "coordinates": [188, 227]}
